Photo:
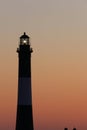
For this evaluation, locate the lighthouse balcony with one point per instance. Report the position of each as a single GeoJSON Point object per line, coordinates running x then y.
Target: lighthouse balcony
{"type": "Point", "coordinates": [18, 49]}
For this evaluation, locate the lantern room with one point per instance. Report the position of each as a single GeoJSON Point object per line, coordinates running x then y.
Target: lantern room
{"type": "Point", "coordinates": [24, 39]}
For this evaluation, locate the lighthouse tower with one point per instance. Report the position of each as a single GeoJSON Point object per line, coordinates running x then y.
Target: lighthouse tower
{"type": "Point", "coordinates": [24, 120]}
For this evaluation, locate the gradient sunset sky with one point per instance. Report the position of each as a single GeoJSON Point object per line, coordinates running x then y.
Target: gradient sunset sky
{"type": "Point", "coordinates": [58, 32]}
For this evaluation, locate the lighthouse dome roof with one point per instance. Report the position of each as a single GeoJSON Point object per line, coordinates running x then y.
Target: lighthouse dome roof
{"type": "Point", "coordinates": [24, 36]}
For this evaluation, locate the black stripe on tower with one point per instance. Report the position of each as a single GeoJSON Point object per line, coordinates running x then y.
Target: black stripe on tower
{"type": "Point", "coordinates": [25, 61]}
{"type": "Point", "coordinates": [24, 118]}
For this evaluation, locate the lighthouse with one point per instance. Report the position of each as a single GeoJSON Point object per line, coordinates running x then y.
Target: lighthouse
{"type": "Point", "coordinates": [24, 119]}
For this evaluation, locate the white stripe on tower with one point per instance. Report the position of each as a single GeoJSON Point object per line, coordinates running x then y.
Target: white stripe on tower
{"type": "Point", "coordinates": [24, 91]}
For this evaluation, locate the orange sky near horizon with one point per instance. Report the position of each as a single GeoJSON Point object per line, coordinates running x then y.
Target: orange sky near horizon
{"type": "Point", "coordinates": [58, 35]}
